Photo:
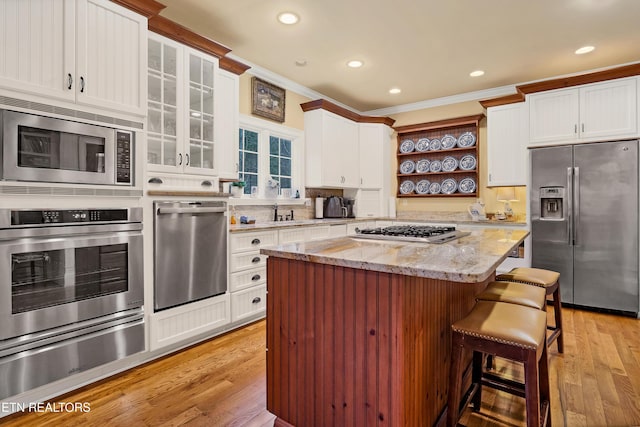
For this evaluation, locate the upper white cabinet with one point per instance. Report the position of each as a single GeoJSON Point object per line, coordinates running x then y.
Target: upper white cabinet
{"type": "Point", "coordinates": [227, 119]}
{"type": "Point", "coordinates": [90, 52]}
{"type": "Point", "coordinates": [507, 139]}
{"type": "Point", "coordinates": [374, 155]}
{"type": "Point", "coordinates": [181, 84]}
{"type": "Point", "coordinates": [332, 150]}
{"type": "Point", "coordinates": [588, 113]}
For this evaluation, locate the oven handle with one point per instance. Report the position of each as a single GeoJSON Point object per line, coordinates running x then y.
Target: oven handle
{"type": "Point", "coordinates": [162, 211]}
{"type": "Point", "coordinates": [68, 230]}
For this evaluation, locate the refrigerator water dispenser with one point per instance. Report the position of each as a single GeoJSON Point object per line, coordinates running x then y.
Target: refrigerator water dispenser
{"type": "Point", "coordinates": [552, 202]}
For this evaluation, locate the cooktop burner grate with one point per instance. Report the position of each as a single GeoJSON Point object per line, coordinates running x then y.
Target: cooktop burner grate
{"type": "Point", "coordinates": [415, 233]}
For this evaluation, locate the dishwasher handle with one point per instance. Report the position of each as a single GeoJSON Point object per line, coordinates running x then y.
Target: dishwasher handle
{"type": "Point", "coordinates": [185, 210]}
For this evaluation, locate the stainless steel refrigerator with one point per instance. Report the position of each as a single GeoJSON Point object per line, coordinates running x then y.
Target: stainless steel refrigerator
{"type": "Point", "coordinates": [584, 222]}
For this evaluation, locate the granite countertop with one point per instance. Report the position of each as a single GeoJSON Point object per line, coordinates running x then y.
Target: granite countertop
{"type": "Point", "coordinates": [469, 259]}
{"type": "Point", "coordinates": [431, 219]}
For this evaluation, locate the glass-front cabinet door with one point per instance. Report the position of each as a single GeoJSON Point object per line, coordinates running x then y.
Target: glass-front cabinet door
{"type": "Point", "coordinates": [181, 84]}
{"type": "Point", "coordinates": [164, 94]}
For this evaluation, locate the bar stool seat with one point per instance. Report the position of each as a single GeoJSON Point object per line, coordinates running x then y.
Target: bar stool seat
{"type": "Point", "coordinates": [550, 281]}
{"type": "Point", "coordinates": [510, 331]}
{"type": "Point", "coordinates": [514, 293]}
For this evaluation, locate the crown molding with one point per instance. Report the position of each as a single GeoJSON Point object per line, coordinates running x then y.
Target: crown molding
{"type": "Point", "coordinates": [146, 8]}
{"type": "Point", "coordinates": [343, 112]}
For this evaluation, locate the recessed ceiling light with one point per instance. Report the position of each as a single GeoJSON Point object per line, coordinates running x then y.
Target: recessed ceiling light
{"type": "Point", "coordinates": [301, 62]}
{"type": "Point", "coordinates": [355, 64]}
{"type": "Point", "coordinates": [394, 91]}
{"type": "Point", "coordinates": [476, 73]}
{"type": "Point", "coordinates": [288, 18]}
{"type": "Point", "coordinates": [584, 49]}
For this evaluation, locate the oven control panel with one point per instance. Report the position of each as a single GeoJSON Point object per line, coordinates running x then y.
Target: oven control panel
{"type": "Point", "coordinates": [67, 216]}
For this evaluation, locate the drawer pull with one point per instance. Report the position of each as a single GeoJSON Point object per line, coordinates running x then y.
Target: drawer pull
{"type": "Point", "coordinates": [256, 259]}
{"type": "Point", "coordinates": [255, 242]}
{"type": "Point", "coordinates": [256, 300]}
{"type": "Point", "coordinates": [255, 277]}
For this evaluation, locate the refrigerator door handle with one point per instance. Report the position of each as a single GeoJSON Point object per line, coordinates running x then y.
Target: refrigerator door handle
{"type": "Point", "coordinates": [569, 203]}
{"type": "Point", "coordinates": [576, 204]}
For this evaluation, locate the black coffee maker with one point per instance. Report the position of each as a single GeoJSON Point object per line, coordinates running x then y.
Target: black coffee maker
{"type": "Point", "coordinates": [349, 204]}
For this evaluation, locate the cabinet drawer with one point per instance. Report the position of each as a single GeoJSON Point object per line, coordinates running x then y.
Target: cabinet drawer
{"type": "Point", "coordinates": [319, 233]}
{"type": "Point", "coordinates": [241, 242]}
{"type": "Point", "coordinates": [248, 278]}
{"type": "Point", "coordinates": [248, 303]}
{"type": "Point", "coordinates": [292, 235]}
{"type": "Point", "coordinates": [245, 260]}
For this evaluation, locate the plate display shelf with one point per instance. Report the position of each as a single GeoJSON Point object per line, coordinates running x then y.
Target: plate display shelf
{"type": "Point", "coordinates": [455, 127]}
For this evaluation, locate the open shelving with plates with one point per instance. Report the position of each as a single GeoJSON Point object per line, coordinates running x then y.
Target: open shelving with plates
{"type": "Point", "coordinates": [426, 169]}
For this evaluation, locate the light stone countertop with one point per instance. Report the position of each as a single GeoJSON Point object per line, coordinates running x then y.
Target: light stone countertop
{"type": "Point", "coordinates": [469, 259]}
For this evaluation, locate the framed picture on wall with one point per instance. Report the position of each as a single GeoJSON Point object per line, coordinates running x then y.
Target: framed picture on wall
{"type": "Point", "coordinates": [267, 100]}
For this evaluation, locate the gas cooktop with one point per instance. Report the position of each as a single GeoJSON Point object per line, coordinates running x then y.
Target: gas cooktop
{"type": "Point", "coordinates": [412, 233]}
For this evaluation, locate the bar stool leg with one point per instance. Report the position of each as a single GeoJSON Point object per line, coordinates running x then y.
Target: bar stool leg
{"type": "Point", "coordinates": [545, 389]}
{"type": "Point", "coordinates": [476, 378]}
{"type": "Point", "coordinates": [532, 390]}
{"type": "Point", "coordinates": [455, 381]}
{"type": "Point", "coordinates": [557, 311]}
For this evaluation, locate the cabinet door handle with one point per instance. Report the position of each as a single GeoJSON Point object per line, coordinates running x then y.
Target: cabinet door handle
{"type": "Point", "coordinates": [256, 300]}
{"type": "Point", "coordinates": [575, 128]}
{"type": "Point", "coordinates": [255, 277]}
{"type": "Point", "coordinates": [255, 260]}
{"type": "Point", "coordinates": [186, 156]}
{"type": "Point", "coordinates": [81, 84]}
{"type": "Point", "coordinates": [255, 242]}
{"type": "Point", "coordinates": [69, 81]}
{"type": "Point", "coordinates": [583, 127]}
{"type": "Point", "coordinates": [179, 159]}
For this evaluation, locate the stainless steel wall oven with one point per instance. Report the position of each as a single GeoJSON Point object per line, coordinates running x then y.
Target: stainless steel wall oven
{"type": "Point", "coordinates": [71, 292]}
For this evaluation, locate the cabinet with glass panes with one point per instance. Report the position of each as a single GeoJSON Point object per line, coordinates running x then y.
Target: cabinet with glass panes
{"type": "Point", "coordinates": [180, 131]}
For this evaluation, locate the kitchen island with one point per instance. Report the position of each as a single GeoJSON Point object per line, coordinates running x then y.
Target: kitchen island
{"type": "Point", "coordinates": [358, 331]}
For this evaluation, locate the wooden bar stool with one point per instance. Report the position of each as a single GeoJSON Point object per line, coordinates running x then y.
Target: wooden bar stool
{"type": "Point", "coordinates": [550, 281]}
{"type": "Point", "coordinates": [514, 293]}
{"type": "Point", "coordinates": [510, 331]}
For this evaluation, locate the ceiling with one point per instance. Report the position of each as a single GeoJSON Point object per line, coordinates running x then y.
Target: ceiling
{"type": "Point", "coordinates": [427, 48]}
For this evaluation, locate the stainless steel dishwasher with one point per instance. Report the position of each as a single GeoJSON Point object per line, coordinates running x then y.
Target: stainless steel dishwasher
{"type": "Point", "coordinates": [190, 252]}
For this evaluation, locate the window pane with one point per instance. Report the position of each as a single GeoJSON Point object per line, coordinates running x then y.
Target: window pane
{"type": "Point", "coordinates": [195, 154]}
{"type": "Point", "coordinates": [195, 99]}
{"type": "Point", "coordinates": [285, 148]}
{"type": "Point", "coordinates": [285, 167]}
{"type": "Point", "coordinates": [240, 138]}
{"type": "Point", "coordinates": [194, 128]}
{"type": "Point", "coordinates": [241, 163]}
{"type": "Point", "coordinates": [273, 145]}
{"type": "Point", "coordinates": [285, 183]}
{"type": "Point", "coordinates": [251, 162]}
{"type": "Point", "coordinates": [252, 181]}
{"type": "Point", "coordinates": [273, 166]}
{"type": "Point", "coordinates": [251, 141]}
{"type": "Point", "coordinates": [194, 69]}
{"type": "Point", "coordinates": [154, 55]}
{"type": "Point", "coordinates": [170, 60]}
{"type": "Point", "coordinates": [207, 73]}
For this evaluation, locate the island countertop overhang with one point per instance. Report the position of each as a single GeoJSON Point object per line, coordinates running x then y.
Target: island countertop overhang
{"type": "Point", "coordinates": [470, 259]}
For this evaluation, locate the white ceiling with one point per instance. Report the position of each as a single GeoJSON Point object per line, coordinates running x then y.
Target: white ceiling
{"type": "Point", "coordinates": [425, 47]}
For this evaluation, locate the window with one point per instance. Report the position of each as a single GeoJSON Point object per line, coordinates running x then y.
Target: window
{"type": "Point", "coordinates": [248, 165]}
{"type": "Point", "coordinates": [268, 150]}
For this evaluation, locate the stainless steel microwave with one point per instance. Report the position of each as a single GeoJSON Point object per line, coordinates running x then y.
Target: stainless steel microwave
{"type": "Point", "coordinates": [46, 149]}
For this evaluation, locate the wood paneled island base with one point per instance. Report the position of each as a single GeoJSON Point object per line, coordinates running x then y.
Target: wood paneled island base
{"type": "Point", "coordinates": [355, 347]}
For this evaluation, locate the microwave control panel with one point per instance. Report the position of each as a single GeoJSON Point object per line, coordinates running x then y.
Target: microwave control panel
{"type": "Point", "coordinates": [124, 144]}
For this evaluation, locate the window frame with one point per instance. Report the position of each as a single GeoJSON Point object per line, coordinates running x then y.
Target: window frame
{"type": "Point", "coordinates": [265, 129]}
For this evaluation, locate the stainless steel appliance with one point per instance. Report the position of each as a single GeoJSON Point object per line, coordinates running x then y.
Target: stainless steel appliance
{"type": "Point", "coordinates": [71, 283]}
{"type": "Point", "coordinates": [46, 149]}
{"type": "Point", "coordinates": [190, 252]}
{"type": "Point", "coordinates": [338, 207]}
{"type": "Point", "coordinates": [584, 222]}
{"type": "Point", "coordinates": [412, 233]}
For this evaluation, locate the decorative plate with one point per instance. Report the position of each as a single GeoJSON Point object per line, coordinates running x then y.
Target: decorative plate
{"type": "Point", "coordinates": [434, 188]}
{"type": "Point", "coordinates": [407, 146]}
{"type": "Point", "coordinates": [448, 141]}
{"type": "Point", "coordinates": [468, 162]}
{"type": "Point", "coordinates": [435, 144]}
{"type": "Point", "coordinates": [467, 185]}
{"type": "Point", "coordinates": [449, 164]}
{"type": "Point", "coordinates": [422, 187]}
{"type": "Point", "coordinates": [449, 186]}
{"type": "Point", "coordinates": [467, 139]}
{"type": "Point", "coordinates": [423, 166]}
{"type": "Point", "coordinates": [407, 187]}
{"type": "Point", "coordinates": [408, 166]}
{"type": "Point", "coordinates": [422, 145]}
{"type": "Point", "coordinates": [435, 166]}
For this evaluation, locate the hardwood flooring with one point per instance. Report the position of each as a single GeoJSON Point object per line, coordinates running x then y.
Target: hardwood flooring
{"type": "Point", "coordinates": [221, 382]}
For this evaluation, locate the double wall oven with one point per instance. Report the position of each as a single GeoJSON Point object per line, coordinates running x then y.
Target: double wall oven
{"type": "Point", "coordinates": [71, 292]}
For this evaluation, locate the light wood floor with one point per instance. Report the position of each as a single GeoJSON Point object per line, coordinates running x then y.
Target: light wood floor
{"type": "Point", "coordinates": [222, 383]}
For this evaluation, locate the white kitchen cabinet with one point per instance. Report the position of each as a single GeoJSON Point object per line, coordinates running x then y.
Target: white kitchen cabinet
{"type": "Point", "coordinates": [181, 84]}
{"type": "Point", "coordinates": [297, 234]}
{"type": "Point", "coordinates": [507, 140]}
{"type": "Point", "coordinates": [248, 273]}
{"type": "Point", "coordinates": [88, 52]}
{"type": "Point", "coordinates": [332, 150]}
{"type": "Point", "coordinates": [587, 113]}
{"type": "Point", "coordinates": [227, 120]}
{"type": "Point", "coordinates": [374, 155]}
